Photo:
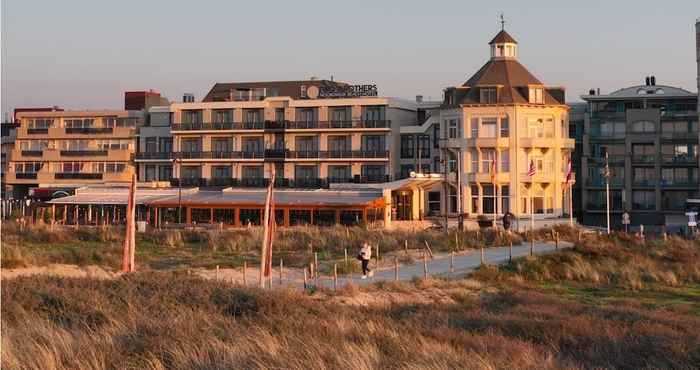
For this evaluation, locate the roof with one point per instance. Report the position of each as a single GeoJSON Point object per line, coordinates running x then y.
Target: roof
{"type": "Point", "coordinates": [239, 197]}
{"type": "Point", "coordinates": [503, 37]}
{"type": "Point", "coordinates": [644, 91]}
{"type": "Point", "coordinates": [221, 91]}
{"type": "Point", "coordinates": [103, 195]}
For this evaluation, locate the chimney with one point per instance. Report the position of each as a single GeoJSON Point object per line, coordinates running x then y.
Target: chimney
{"type": "Point", "coordinates": [419, 98]}
{"type": "Point", "coordinates": [653, 80]}
{"type": "Point", "coordinates": [591, 92]}
{"type": "Point", "coordinates": [597, 91]}
{"type": "Point", "coordinates": [647, 81]}
{"type": "Point", "coordinates": [188, 98]}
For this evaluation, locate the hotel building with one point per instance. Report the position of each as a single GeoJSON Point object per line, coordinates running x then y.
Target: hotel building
{"type": "Point", "coordinates": [504, 115]}
{"type": "Point", "coordinates": [68, 149]}
{"type": "Point", "coordinates": [650, 134]}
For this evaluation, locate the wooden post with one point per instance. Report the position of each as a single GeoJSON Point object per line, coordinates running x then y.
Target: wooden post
{"type": "Point", "coordinates": [335, 276]}
{"type": "Point", "coordinates": [579, 236]}
{"type": "Point", "coordinates": [452, 261]}
{"type": "Point", "coordinates": [396, 269]}
{"type": "Point", "coordinates": [456, 241]}
{"type": "Point", "coordinates": [316, 268]}
{"type": "Point", "coordinates": [376, 258]}
{"type": "Point", "coordinates": [429, 250]}
{"type": "Point", "coordinates": [245, 267]}
{"type": "Point", "coordinates": [425, 266]}
{"type": "Point", "coordinates": [405, 246]}
{"type": "Point", "coordinates": [510, 252]}
{"type": "Point", "coordinates": [281, 270]}
{"type": "Point", "coordinates": [217, 272]}
{"type": "Point", "coordinates": [556, 242]}
{"type": "Point", "coordinates": [305, 280]}
{"type": "Point", "coordinates": [346, 256]}
{"type": "Point", "coordinates": [532, 244]}
{"type": "Point", "coordinates": [482, 254]}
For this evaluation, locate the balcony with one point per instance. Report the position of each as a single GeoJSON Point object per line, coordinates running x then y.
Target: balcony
{"type": "Point", "coordinates": [692, 136]}
{"type": "Point", "coordinates": [155, 155]}
{"type": "Point", "coordinates": [338, 154]}
{"type": "Point", "coordinates": [84, 153]}
{"type": "Point", "coordinates": [215, 126]}
{"type": "Point", "coordinates": [32, 153]}
{"type": "Point", "coordinates": [25, 175]}
{"type": "Point", "coordinates": [279, 154]}
{"type": "Point", "coordinates": [680, 183]}
{"type": "Point", "coordinates": [644, 183]}
{"type": "Point", "coordinates": [599, 182]}
{"type": "Point", "coordinates": [77, 176]}
{"type": "Point", "coordinates": [37, 131]}
{"type": "Point", "coordinates": [220, 155]}
{"type": "Point", "coordinates": [678, 113]}
{"type": "Point", "coordinates": [670, 159]}
{"type": "Point", "coordinates": [537, 142]}
{"type": "Point", "coordinates": [613, 159]}
{"type": "Point", "coordinates": [323, 125]}
{"type": "Point", "coordinates": [89, 130]}
{"type": "Point", "coordinates": [643, 159]}
{"type": "Point", "coordinates": [608, 115]}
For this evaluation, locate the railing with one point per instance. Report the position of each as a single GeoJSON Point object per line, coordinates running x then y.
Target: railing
{"type": "Point", "coordinates": [220, 155]}
{"type": "Point", "coordinates": [324, 154]}
{"type": "Point", "coordinates": [89, 130]}
{"type": "Point", "coordinates": [647, 158]}
{"type": "Point", "coordinates": [25, 175]}
{"type": "Point", "coordinates": [645, 183]}
{"type": "Point", "coordinates": [37, 131]}
{"type": "Point", "coordinates": [678, 113]}
{"type": "Point", "coordinates": [600, 182]}
{"type": "Point", "coordinates": [81, 153]}
{"type": "Point", "coordinates": [597, 134]}
{"type": "Point", "coordinates": [607, 115]}
{"type": "Point", "coordinates": [32, 153]}
{"type": "Point", "coordinates": [155, 155]}
{"type": "Point", "coordinates": [679, 183]}
{"type": "Point", "coordinates": [613, 159]}
{"type": "Point", "coordinates": [679, 159]}
{"type": "Point", "coordinates": [258, 182]}
{"type": "Point", "coordinates": [281, 125]}
{"type": "Point", "coordinates": [77, 175]}
{"type": "Point", "coordinates": [679, 135]}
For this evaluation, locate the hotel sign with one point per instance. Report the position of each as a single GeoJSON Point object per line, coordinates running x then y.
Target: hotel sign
{"type": "Point", "coordinates": [339, 91]}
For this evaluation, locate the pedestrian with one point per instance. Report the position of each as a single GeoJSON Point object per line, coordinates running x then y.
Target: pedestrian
{"type": "Point", "coordinates": [508, 220]}
{"type": "Point", "coordinates": [364, 256]}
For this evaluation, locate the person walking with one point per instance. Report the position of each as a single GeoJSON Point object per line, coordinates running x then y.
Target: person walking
{"type": "Point", "coordinates": [364, 256]}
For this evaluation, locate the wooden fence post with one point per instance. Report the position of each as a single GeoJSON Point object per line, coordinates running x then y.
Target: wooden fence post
{"type": "Point", "coordinates": [305, 280]}
{"type": "Point", "coordinates": [396, 269]}
{"type": "Point", "coordinates": [482, 255]}
{"type": "Point", "coordinates": [425, 266]}
{"type": "Point", "coordinates": [245, 267]}
{"type": "Point", "coordinates": [217, 272]}
{"type": "Point", "coordinates": [510, 252]}
{"type": "Point", "coordinates": [316, 268]}
{"type": "Point", "coordinates": [335, 276]}
{"type": "Point", "coordinates": [281, 270]}
{"type": "Point", "coordinates": [532, 244]}
{"type": "Point", "coordinates": [556, 242]}
{"type": "Point", "coordinates": [346, 256]}
{"type": "Point", "coordinates": [376, 260]}
{"type": "Point", "coordinates": [452, 262]}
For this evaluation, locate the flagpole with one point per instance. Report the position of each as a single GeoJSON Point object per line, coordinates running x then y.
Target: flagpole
{"type": "Point", "coordinates": [571, 204]}
{"type": "Point", "coordinates": [607, 191]}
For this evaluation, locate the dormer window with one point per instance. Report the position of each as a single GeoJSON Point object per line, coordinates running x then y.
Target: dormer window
{"type": "Point", "coordinates": [488, 95]}
{"type": "Point", "coordinates": [536, 95]}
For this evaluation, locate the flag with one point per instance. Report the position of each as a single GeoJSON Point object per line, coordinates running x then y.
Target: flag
{"type": "Point", "coordinates": [531, 171]}
{"type": "Point", "coordinates": [492, 171]}
{"type": "Point", "coordinates": [569, 172]}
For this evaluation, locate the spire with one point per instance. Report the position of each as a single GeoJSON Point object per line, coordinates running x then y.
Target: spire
{"type": "Point", "coordinates": [503, 23]}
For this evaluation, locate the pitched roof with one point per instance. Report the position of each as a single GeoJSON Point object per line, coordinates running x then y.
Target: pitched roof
{"type": "Point", "coordinates": [507, 72]}
{"type": "Point", "coordinates": [502, 37]}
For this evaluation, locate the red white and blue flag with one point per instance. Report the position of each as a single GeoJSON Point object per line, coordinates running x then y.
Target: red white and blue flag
{"type": "Point", "coordinates": [531, 171]}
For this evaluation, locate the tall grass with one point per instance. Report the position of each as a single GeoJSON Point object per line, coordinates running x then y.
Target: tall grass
{"type": "Point", "coordinates": [158, 321]}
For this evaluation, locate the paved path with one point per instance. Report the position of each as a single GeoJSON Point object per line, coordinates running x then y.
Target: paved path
{"type": "Point", "coordinates": [464, 262]}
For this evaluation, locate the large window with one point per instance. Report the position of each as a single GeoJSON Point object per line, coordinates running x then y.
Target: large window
{"type": "Point", "coordinates": [373, 113]}
{"type": "Point", "coordinates": [505, 161]}
{"type": "Point", "coordinates": [643, 126]}
{"type": "Point", "coordinates": [436, 136]}
{"type": "Point", "coordinates": [474, 155]}
{"type": "Point", "coordinates": [339, 173]}
{"type": "Point", "coordinates": [488, 127]}
{"type": "Point", "coordinates": [41, 123]}
{"type": "Point", "coordinates": [221, 145]}
{"type": "Point", "coordinates": [434, 201]}
{"type": "Point", "coordinates": [535, 128]}
{"type": "Point", "coordinates": [488, 156]}
{"type": "Point", "coordinates": [339, 144]}
{"type": "Point", "coordinates": [221, 172]}
{"type": "Point", "coordinates": [223, 115]}
{"type": "Point", "coordinates": [407, 143]}
{"type": "Point", "coordinates": [679, 176]}
{"type": "Point", "coordinates": [611, 129]}
{"type": "Point", "coordinates": [151, 145]}
{"type": "Point", "coordinates": [505, 127]}
{"type": "Point", "coordinates": [150, 173]}
{"type": "Point", "coordinates": [644, 152]}
{"type": "Point", "coordinates": [191, 116]}
{"type": "Point", "coordinates": [191, 145]}
{"type": "Point", "coordinates": [536, 95]}
{"type": "Point", "coordinates": [454, 128]}
{"type": "Point", "coordinates": [406, 170]}
{"type": "Point", "coordinates": [644, 176]}
{"type": "Point", "coordinates": [373, 143]}
{"type": "Point", "coordinates": [474, 128]}
{"type": "Point", "coordinates": [423, 145]}
{"type": "Point", "coordinates": [675, 200]}
{"type": "Point", "coordinates": [643, 200]}
{"type": "Point", "coordinates": [488, 95]}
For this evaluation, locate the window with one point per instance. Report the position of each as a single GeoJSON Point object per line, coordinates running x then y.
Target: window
{"type": "Point", "coordinates": [191, 116]}
{"type": "Point", "coordinates": [339, 173]}
{"type": "Point", "coordinates": [437, 166]}
{"type": "Point", "coordinates": [505, 198]}
{"type": "Point", "coordinates": [475, 160]}
{"type": "Point", "coordinates": [434, 201]}
{"type": "Point", "coordinates": [643, 200]}
{"type": "Point", "coordinates": [28, 167]}
{"type": "Point", "coordinates": [191, 145]}
{"type": "Point", "coordinates": [223, 115]}
{"type": "Point", "coordinates": [474, 126]}
{"type": "Point", "coordinates": [535, 128]}
{"type": "Point", "coordinates": [488, 156]}
{"type": "Point", "coordinates": [78, 122]}
{"type": "Point", "coordinates": [340, 114]}
{"type": "Point", "coordinates": [221, 172]}
{"type": "Point", "coordinates": [374, 172]}
{"type": "Point", "coordinates": [407, 146]}
{"type": "Point", "coordinates": [505, 129]}
{"type": "Point", "coordinates": [220, 145]}
{"type": "Point", "coordinates": [165, 144]}
{"type": "Point", "coordinates": [306, 115]}
{"type": "Point", "coordinates": [454, 129]}
{"type": "Point", "coordinates": [644, 176]}
{"type": "Point", "coordinates": [41, 123]}
{"type": "Point", "coordinates": [252, 116]}
{"type": "Point", "coordinates": [644, 152]}
{"type": "Point", "coordinates": [191, 172]}
{"type": "Point", "coordinates": [505, 161]}
{"type": "Point", "coordinates": [307, 144]}
{"type": "Point", "coordinates": [339, 144]}
{"type": "Point", "coordinates": [643, 126]}
{"type": "Point", "coordinates": [488, 95]}
{"type": "Point", "coordinates": [536, 95]}
{"type": "Point", "coordinates": [150, 173]}
{"type": "Point", "coordinates": [488, 127]}
{"type": "Point", "coordinates": [252, 172]}
{"type": "Point", "coordinates": [610, 129]}
{"type": "Point", "coordinates": [252, 145]}
{"type": "Point", "coordinates": [436, 136]}
{"type": "Point", "coordinates": [151, 145]}
{"type": "Point", "coordinates": [165, 173]}
{"type": "Point", "coordinates": [488, 199]}
{"type": "Point", "coordinates": [423, 145]}
{"type": "Point", "coordinates": [373, 113]}
{"type": "Point", "coordinates": [373, 143]}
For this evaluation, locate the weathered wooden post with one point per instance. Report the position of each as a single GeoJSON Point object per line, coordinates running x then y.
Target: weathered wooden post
{"type": "Point", "coordinates": [425, 266]}
{"type": "Point", "coordinates": [306, 280]}
{"type": "Point", "coordinates": [217, 272]}
{"type": "Point", "coordinates": [281, 270]}
{"type": "Point", "coordinates": [556, 242]}
{"type": "Point", "coordinates": [396, 269]}
{"type": "Point", "coordinates": [315, 268]}
{"type": "Point", "coordinates": [452, 262]}
{"type": "Point", "coordinates": [532, 243]}
{"type": "Point", "coordinates": [482, 255]}
{"type": "Point", "coordinates": [510, 252]}
{"type": "Point", "coordinates": [245, 267]}
{"type": "Point", "coordinates": [346, 256]}
{"type": "Point", "coordinates": [335, 276]}
{"type": "Point", "coordinates": [376, 258]}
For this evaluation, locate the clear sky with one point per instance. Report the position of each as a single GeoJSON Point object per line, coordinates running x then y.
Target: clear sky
{"type": "Point", "coordinates": [85, 54]}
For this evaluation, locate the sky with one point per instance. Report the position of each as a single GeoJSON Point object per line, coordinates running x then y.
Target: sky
{"type": "Point", "coordinates": [85, 54]}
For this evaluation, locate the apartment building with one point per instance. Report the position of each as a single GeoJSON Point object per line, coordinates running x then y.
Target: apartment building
{"type": "Point", "coordinates": [314, 133]}
{"type": "Point", "coordinates": [577, 118]}
{"type": "Point", "coordinates": [68, 149]}
{"type": "Point", "coordinates": [154, 157]}
{"type": "Point", "coordinates": [503, 116]}
{"type": "Point", "coordinates": [650, 134]}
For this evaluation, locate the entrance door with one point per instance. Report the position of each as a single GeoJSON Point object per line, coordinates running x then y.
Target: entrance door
{"type": "Point", "coordinates": [404, 205]}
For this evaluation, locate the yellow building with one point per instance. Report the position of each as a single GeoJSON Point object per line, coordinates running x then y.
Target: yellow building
{"type": "Point", "coordinates": [67, 149]}
{"type": "Point", "coordinates": [504, 114]}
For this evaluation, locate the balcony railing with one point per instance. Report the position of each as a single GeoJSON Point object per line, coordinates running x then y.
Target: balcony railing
{"type": "Point", "coordinates": [324, 154]}
{"type": "Point", "coordinates": [89, 130]}
{"type": "Point", "coordinates": [612, 159]}
{"type": "Point", "coordinates": [679, 135]}
{"type": "Point", "coordinates": [600, 182]}
{"type": "Point", "coordinates": [77, 175]}
{"type": "Point", "coordinates": [645, 183]}
{"type": "Point", "coordinates": [37, 131]}
{"type": "Point", "coordinates": [83, 153]}
{"type": "Point", "coordinates": [679, 159]}
{"type": "Point", "coordinates": [25, 175]}
{"type": "Point", "coordinates": [258, 182]}
{"type": "Point", "coordinates": [646, 158]}
{"type": "Point", "coordinates": [155, 155]}
{"type": "Point", "coordinates": [281, 125]}
{"type": "Point", "coordinates": [681, 183]}
{"type": "Point", "coordinates": [32, 153]}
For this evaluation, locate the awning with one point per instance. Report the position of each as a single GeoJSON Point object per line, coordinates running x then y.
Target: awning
{"type": "Point", "coordinates": [282, 198]}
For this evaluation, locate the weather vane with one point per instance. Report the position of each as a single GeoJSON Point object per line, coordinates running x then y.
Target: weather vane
{"type": "Point", "coordinates": [503, 23]}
